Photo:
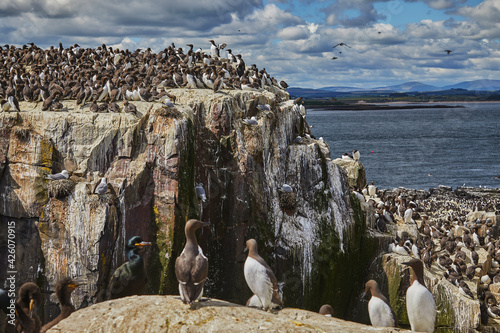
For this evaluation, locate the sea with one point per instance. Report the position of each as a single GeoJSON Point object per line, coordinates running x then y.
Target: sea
{"type": "Point", "coordinates": [418, 148]}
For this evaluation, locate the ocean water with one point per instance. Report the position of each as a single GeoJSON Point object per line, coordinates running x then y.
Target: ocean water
{"type": "Point", "coordinates": [418, 148]}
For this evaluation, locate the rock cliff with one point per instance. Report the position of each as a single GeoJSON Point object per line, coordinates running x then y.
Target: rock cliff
{"type": "Point", "coordinates": [314, 239]}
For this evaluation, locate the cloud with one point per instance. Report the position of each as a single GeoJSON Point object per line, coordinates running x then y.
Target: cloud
{"type": "Point", "coordinates": [291, 44]}
{"type": "Point", "coordinates": [352, 13]}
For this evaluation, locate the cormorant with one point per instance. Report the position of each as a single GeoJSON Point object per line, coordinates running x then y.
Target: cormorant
{"type": "Point", "coordinates": [30, 298]}
{"type": "Point", "coordinates": [130, 278]}
{"type": "Point", "coordinates": [64, 288]}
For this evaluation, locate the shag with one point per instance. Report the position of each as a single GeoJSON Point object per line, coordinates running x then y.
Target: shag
{"type": "Point", "coordinates": [30, 298]}
{"type": "Point", "coordinates": [130, 278]}
{"type": "Point", "coordinates": [64, 288]}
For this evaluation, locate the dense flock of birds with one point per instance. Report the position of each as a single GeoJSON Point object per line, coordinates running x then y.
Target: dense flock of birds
{"type": "Point", "coordinates": [463, 248]}
{"type": "Point", "coordinates": [104, 76]}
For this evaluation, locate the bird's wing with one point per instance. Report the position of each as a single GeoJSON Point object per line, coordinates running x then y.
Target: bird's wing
{"type": "Point", "coordinates": [119, 280]}
{"type": "Point", "coordinates": [101, 188]}
{"type": "Point", "coordinates": [57, 176]}
{"type": "Point", "coordinates": [199, 271]}
{"type": "Point", "coordinates": [183, 275]}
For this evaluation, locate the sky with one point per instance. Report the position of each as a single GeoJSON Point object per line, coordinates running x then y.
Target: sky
{"type": "Point", "coordinates": [386, 42]}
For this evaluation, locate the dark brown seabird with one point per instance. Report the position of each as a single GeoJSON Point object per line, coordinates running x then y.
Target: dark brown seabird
{"type": "Point", "coordinates": [191, 267]}
{"type": "Point", "coordinates": [326, 310]}
{"type": "Point", "coordinates": [64, 288]}
{"type": "Point", "coordinates": [130, 278]}
{"type": "Point", "coordinates": [29, 299]}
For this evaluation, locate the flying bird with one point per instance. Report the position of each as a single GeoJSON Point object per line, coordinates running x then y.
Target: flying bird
{"type": "Point", "coordinates": [341, 44]}
{"type": "Point", "coordinates": [447, 51]}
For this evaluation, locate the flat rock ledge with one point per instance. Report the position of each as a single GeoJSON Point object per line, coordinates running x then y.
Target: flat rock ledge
{"type": "Point", "coordinates": [169, 314]}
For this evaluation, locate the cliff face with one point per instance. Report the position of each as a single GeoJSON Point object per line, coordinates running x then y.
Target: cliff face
{"type": "Point", "coordinates": [152, 161]}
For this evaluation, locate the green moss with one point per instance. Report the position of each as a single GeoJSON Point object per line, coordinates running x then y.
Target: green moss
{"type": "Point", "coordinates": [445, 316]}
{"type": "Point", "coordinates": [394, 282]}
{"type": "Point", "coordinates": [46, 153]}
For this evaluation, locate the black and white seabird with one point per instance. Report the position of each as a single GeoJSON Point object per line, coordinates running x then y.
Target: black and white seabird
{"type": "Point", "coordinates": [191, 267]}
{"type": "Point", "coordinates": [355, 155]}
{"type": "Point", "coordinates": [380, 311]}
{"type": "Point", "coordinates": [420, 304]}
{"type": "Point", "coordinates": [260, 278]}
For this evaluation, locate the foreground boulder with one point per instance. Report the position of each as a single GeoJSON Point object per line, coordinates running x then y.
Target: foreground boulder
{"type": "Point", "coordinates": [169, 314]}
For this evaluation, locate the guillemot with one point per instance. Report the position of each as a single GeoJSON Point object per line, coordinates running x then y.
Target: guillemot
{"type": "Point", "coordinates": [260, 278]}
{"type": "Point", "coordinates": [191, 267]}
{"type": "Point", "coordinates": [379, 309]}
{"type": "Point", "coordinates": [420, 304]}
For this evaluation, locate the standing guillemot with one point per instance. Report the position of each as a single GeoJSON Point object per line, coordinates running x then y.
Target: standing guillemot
{"type": "Point", "coordinates": [260, 278]}
{"type": "Point", "coordinates": [355, 155]}
{"type": "Point", "coordinates": [130, 278]}
{"type": "Point", "coordinates": [420, 304]}
{"type": "Point", "coordinates": [379, 309]}
{"type": "Point", "coordinates": [191, 267]}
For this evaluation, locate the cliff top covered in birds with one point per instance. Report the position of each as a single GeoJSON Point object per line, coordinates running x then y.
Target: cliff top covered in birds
{"type": "Point", "coordinates": [107, 75]}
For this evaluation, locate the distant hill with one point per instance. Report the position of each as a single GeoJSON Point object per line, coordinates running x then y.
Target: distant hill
{"type": "Point", "coordinates": [481, 85]}
{"type": "Point", "coordinates": [415, 87]}
{"type": "Point", "coordinates": [410, 86]}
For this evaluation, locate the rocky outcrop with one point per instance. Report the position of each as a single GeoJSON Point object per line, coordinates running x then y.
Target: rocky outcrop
{"type": "Point", "coordinates": [356, 175]}
{"type": "Point", "coordinates": [152, 161]}
{"type": "Point", "coordinates": [167, 313]}
{"type": "Point", "coordinates": [464, 206]}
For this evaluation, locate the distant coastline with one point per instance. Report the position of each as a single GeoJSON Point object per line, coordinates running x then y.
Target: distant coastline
{"type": "Point", "coordinates": [380, 106]}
